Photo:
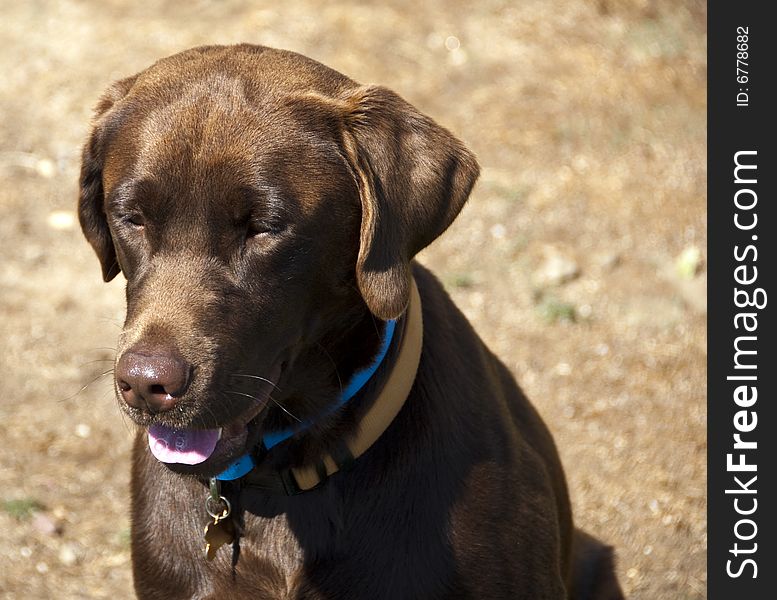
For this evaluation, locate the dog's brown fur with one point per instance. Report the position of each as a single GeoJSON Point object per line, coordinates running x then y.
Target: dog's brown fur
{"type": "Point", "coordinates": [265, 210]}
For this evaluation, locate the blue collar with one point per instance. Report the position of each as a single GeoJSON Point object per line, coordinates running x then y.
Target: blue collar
{"type": "Point", "coordinates": [246, 462]}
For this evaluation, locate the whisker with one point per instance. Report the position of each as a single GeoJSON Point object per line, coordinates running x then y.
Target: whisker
{"type": "Point", "coordinates": [264, 403]}
{"type": "Point", "coordinates": [334, 364]}
{"type": "Point", "coordinates": [257, 377]}
{"type": "Point", "coordinates": [241, 394]}
{"type": "Point", "coordinates": [269, 396]}
{"type": "Point", "coordinates": [96, 360]}
{"type": "Point", "coordinates": [111, 321]}
{"type": "Point", "coordinates": [246, 395]}
{"type": "Point", "coordinates": [86, 385]}
{"type": "Point", "coordinates": [132, 427]}
{"type": "Point", "coordinates": [375, 325]}
{"type": "Point", "coordinates": [212, 415]}
{"type": "Point", "coordinates": [374, 319]}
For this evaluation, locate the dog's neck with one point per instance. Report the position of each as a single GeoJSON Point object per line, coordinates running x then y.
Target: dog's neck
{"type": "Point", "coordinates": [355, 384]}
{"type": "Point", "coordinates": [372, 396]}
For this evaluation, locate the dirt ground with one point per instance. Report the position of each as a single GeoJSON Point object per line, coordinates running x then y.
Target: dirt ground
{"type": "Point", "coordinates": [579, 258]}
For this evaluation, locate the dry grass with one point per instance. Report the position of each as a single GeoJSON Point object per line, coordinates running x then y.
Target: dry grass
{"type": "Point", "coordinates": [589, 120]}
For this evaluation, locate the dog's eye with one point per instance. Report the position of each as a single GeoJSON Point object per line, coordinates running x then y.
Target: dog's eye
{"type": "Point", "coordinates": [258, 227]}
{"type": "Point", "coordinates": [134, 220]}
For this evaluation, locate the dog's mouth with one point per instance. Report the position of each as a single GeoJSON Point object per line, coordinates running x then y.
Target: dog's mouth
{"type": "Point", "coordinates": [208, 451]}
{"type": "Point", "coordinates": [183, 446]}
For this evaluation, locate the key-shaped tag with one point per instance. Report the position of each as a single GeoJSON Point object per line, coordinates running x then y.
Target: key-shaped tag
{"type": "Point", "coordinates": [218, 532]}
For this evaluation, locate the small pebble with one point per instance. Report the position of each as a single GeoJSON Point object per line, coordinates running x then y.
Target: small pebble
{"type": "Point", "coordinates": [563, 369]}
{"type": "Point", "coordinates": [556, 269]}
{"type": "Point", "coordinates": [498, 231]}
{"type": "Point", "coordinates": [608, 262]}
{"type": "Point", "coordinates": [45, 524]}
{"type": "Point", "coordinates": [61, 220]}
{"type": "Point", "coordinates": [688, 264]}
{"type": "Point", "coordinates": [68, 555]}
{"type": "Point", "coordinates": [46, 168]}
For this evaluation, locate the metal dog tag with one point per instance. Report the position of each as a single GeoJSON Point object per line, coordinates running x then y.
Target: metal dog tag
{"type": "Point", "coordinates": [218, 532]}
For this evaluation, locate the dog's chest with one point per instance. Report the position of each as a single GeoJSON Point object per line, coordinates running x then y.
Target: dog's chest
{"type": "Point", "coordinates": [269, 563]}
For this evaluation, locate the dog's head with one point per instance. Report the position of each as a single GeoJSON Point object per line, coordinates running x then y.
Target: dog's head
{"type": "Point", "coordinates": [263, 209]}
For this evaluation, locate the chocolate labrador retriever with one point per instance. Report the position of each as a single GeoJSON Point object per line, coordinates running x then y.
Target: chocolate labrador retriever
{"type": "Point", "coordinates": [316, 418]}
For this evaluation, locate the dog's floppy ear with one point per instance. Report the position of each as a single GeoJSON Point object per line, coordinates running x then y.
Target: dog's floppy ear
{"type": "Point", "coordinates": [91, 201]}
{"type": "Point", "coordinates": [413, 177]}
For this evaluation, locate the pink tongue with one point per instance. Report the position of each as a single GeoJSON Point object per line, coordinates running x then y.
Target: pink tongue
{"type": "Point", "coordinates": [183, 446]}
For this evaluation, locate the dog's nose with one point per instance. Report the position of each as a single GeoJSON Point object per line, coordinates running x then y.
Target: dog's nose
{"type": "Point", "coordinates": [152, 380]}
